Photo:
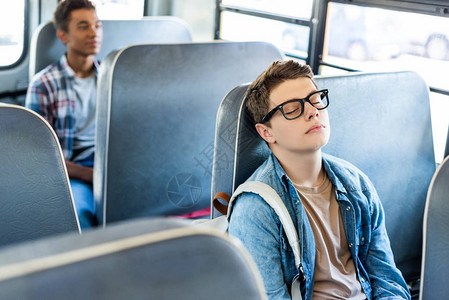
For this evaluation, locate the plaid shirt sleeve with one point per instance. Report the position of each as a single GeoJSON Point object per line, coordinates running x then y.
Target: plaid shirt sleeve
{"type": "Point", "coordinates": [49, 95]}
{"type": "Point", "coordinates": [37, 99]}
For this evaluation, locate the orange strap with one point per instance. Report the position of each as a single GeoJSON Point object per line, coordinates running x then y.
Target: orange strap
{"type": "Point", "coordinates": [222, 208]}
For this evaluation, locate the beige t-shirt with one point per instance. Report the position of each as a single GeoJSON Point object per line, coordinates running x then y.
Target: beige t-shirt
{"type": "Point", "coordinates": [335, 273]}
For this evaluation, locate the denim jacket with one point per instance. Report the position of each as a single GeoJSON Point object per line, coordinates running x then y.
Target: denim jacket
{"type": "Point", "coordinates": [256, 224]}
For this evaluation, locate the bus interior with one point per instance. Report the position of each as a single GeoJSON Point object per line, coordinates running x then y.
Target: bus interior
{"type": "Point", "coordinates": [172, 132]}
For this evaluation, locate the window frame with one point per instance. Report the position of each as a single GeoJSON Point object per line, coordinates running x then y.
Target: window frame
{"type": "Point", "coordinates": [26, 30]}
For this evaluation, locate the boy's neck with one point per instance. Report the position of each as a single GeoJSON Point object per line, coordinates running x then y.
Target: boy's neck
{"type": "Point", "coordinates": [83, 66]}
{"type": "Point", "coordinates": [303, 169]}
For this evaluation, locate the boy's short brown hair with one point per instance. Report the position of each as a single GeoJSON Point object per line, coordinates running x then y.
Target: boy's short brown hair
{"type": "Point", "coordinates": [258, 94]}
{"type": "Point", "coordinates": [61, 17]}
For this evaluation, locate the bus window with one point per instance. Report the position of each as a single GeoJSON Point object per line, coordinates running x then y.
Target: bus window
{"type": "Point", "coordinates": [361, 37]}
{"type": "Point", "coordinates": [375, 39]}
{"type": "Point", "coordinates": [288, 37]}
{"type": "Point", "coordinates": [119, 9]}
{"type": "Point", "coordinates": [201, 19]}
{"type": "Point", "coordinates": [292, 8]}
{"type": "Point", "coordinates": [12, 31]}
{"type": "Point", "coordinates": [285, 23]}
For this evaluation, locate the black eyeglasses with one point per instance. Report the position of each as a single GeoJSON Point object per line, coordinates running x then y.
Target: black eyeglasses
{"type": "Point", "coordinates": [293, 109]}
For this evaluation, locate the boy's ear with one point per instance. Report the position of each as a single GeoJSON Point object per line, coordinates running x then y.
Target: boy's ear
{"type": "Point", "coordinates": [62, 35]}
{"type": "Point", "coordinates": [265, 133]}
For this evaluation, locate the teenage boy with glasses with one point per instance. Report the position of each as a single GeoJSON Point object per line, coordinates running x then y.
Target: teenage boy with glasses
{"type": "Point", "coordinates": [345, 249]}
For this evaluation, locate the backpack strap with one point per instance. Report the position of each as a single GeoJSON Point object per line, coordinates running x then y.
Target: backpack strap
{"type": "Point", "coordinates": [272, 198]}
{"type": "Point", "coordinates": [221, 207]}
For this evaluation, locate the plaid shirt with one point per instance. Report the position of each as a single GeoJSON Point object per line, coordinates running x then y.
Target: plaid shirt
{"type": "Point", "coordinates": [51, 95]}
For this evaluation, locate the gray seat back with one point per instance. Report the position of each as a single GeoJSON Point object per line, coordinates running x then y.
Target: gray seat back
{"type": "Point", "coordinates": [155, 123]}
{"type": "Point", "coordinates": [435, 263]}
{"type": "Point", "coordinates": [375, 124]}
{"type": "Point", "coordinates": [35, 196]}
{"type": "Point", "coordinates": [144, 259]}
{"type": "Point", "coordinates": [46, 48]}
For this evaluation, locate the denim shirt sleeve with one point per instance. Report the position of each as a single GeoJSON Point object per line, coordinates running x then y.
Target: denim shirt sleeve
{"type": "Point", "coordinates": [386, 279]}
{"type": "Point", "coordinates": [255, 224]}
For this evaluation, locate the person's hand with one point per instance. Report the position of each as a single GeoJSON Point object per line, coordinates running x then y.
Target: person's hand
{"type": "Point", "coordinates": [79, 172]}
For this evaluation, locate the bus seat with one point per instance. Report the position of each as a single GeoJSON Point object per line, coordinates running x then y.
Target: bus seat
{"type": "Point", "coordinates": [143, 259]}
{"type": "Point", "coordinates": [155, 123]}
{"type": "Point", "coordinates": [435, 263]}
{"type": "Point", "coordinates": [375, 124]}
{"type": "Point", "coordinates": [35, 196]}
{"type": "Point", "coordinates": [46, 48]}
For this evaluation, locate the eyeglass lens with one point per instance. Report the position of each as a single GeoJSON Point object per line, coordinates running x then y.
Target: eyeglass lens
{"type": "Point", "coordinates": [294, 109]}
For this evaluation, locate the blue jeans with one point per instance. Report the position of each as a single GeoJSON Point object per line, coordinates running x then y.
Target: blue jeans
{"type": "Point", "coordinates": [84, 199]}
